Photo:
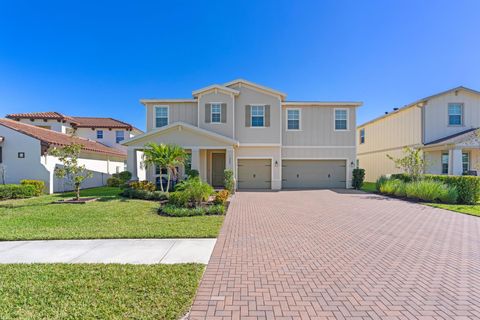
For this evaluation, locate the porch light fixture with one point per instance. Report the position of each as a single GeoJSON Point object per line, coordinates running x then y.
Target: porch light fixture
{"type": "Point", "coordinates": [276, 163]}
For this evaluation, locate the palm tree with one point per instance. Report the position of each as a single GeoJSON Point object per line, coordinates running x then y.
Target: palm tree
{"type": "Point", "coordinates": [166, 156]}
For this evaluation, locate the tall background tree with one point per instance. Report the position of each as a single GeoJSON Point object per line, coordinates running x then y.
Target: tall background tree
{"type": "Point", "coordinates": [71, 170]}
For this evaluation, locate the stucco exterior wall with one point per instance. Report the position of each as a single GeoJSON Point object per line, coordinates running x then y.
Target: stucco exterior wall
{"type": "Point", "coordinates": [436, 114]}
{"type": "Point", "coordinates": [225, 129]}
{"type": "Point", "coordinates": [109, 136]}
{"type": "Point", "coordinates": [178, 111]}
{"type": "Point", "coordinates": [53, 124]}
{"type": "Point", "coordinates": [249, 96]}
{"type": "Point", "coordinates": [377, 163]}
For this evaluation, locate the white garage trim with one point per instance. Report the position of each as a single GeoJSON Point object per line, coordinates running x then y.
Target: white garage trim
{"type": "Point", "coordinates": [257, 158]}
{"type": "Point", "coordinates": [339, 159]}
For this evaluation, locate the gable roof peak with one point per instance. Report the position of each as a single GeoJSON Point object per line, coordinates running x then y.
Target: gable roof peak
{"type": "Point", "coordinates": [256, 85]}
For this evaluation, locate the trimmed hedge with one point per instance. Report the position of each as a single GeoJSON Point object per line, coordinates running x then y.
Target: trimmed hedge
{"type": "Point", "coordinates": [468, 187]}
{"type": "Point", "coordinates": [17, 191]}
{"type": "Point", "coordinates": [38, 184]}
{"type": "Point", "coordinates": [144, 194]}
{"type": "Point", "coordinates": [174, 211]}
{"type": "Point", "coordinates": [358, 176]}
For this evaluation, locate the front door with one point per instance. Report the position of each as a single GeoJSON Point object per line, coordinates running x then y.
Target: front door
{"type": "Point", "coordinates": [218, 168]}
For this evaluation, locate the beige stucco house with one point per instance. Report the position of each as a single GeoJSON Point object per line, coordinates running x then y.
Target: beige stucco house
{"type": "Point", "coordinates": [443, 125]}
{"type": "Point", "coordinates": [269, 142]}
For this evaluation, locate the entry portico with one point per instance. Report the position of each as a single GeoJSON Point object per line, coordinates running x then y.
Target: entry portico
{"type": "Point", "coordinates": [211, 153]}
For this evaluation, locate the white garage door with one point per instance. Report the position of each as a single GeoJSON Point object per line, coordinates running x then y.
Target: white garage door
{"type": "Point", "coordinates": [254, 174]}
{"type": "Point", "coordinates": [319, 174]}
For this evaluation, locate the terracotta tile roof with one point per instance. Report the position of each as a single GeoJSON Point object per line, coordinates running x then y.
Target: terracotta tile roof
{"type": "Point", "coordinates": [89, 122]}
{"type": "Point", "coordinates": [40, 115]}
{"type": "Point", "coordinates": [54, 138]}
{"type": "Point", "coordinates": [78, 122]}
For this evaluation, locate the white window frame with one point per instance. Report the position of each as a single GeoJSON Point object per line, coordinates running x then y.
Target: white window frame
{"type": "Point", "coordinates": [155, 115]}
{"type": "Point", "coordinates": [335, 117]}
{"type": "Point", "coordinates": [362, 135]}
{"type": "Point", "coordinates": [116, 135]}
{"type": "Point", "coordinates": [461, 114]}
{"type": "Point", "coordinates": [98, 131]}
{"type": "Point", "coordinates": [299, 118]}
{"type": "Point", "coordinates": [211, 112]}
{"type": "Point", "coordinates": [251, 115]}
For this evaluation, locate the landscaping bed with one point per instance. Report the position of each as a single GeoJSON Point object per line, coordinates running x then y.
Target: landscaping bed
{"type": "Point", "coordinates": [112, 291]}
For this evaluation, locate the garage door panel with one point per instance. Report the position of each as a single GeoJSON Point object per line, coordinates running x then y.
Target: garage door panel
{"type": "Point", "coordinates": [298, 174]}
{"type": "Point", "coordinates": [254, 174]}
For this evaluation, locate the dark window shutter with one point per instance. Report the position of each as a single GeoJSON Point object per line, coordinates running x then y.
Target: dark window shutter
{"type": "Point", "coordinates": [267, 116]}
{"type": "Point", "coordinates": [224, 113]}
{"type": "Point", "coordinates": [208, 113]}
{"type": "Point", "coordinates": [247, 116]}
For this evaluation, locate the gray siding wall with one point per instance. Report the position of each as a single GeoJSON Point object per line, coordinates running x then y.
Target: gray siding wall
{"type": "Point", "coordinates": [436, 114]}
{"type": "Point", "coordinates": [317, 127]}
{"type": "Point", "coordinates": [249, 96]}
{"type": "Point", "coordinates": [225, 129]}
{"type": "Point", "coordinates": [178, 111]}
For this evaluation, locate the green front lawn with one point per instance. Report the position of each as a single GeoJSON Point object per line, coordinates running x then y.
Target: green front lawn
{"type": "Point", "coordinates": [109, 217]}
{"type": "Point", "coordinates": [81, 291]}
{"type": "Point", "coordinates": [369, 187]}
{"type": "Point", "coordinates": [473, 210]}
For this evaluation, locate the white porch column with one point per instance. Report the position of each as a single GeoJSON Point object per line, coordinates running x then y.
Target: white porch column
{"type": "Point", "coordinates": [229, 158]}
{"type": "Point", "coordinates": [196, 159]}
{"type": "Point", "coordinates": [132, 162]}
{"type": "Point", "coordinates": [455, 158]}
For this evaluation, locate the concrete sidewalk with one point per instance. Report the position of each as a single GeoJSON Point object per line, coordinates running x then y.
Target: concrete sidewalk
{"type": "Point", "coordinates": [132, 251]}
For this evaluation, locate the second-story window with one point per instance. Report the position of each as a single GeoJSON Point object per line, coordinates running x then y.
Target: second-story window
{"type": "Point", "coordinates": [216, 113]}
{"type": "Point", "coordinates": [362, 136]}
{"type": "Point", "coordinates": [341, 119]}
{"type": "Point", "coordinates": [258, 116]}
{"type": "Point", "coordinates": [99, 134]}
{"type": "Point", "coordinates": [455, 114]}
{"type": "Point", "coordinates": [293, 119]}
{"type": "Point", "coordinates": [119, 136]}
{"type": "Point", "coordinates": [161, 116]}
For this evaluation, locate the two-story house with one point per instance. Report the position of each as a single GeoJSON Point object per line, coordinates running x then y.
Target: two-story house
{"type": "Point", "coordinates": [443, 125]}
{"type": "Point", "coordinates": [269, 142]}
{"type": "Point", "coordinates": [107, 131]}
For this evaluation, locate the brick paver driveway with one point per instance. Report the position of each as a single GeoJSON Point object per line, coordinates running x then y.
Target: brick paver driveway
{"type": "Point", "coordinates": [324, 254]}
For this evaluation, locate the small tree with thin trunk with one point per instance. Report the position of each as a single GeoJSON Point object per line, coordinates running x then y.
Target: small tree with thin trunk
{"type": "Point", "coordinates": [71, 170]}
{"type": "Point", "coordinates": [413, 162]}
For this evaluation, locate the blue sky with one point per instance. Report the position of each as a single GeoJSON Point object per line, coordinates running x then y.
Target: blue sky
{"type": "Point", "coordinates": [98, 58]}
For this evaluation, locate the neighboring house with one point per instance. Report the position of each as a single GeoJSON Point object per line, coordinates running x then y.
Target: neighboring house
{"type": "Point", "coordinates": [24, 153]}
{"type": "Point", "coordinates": [108, 131]}
{"type": "Point", "coordinates": [443, 125]}
{"type": "Point", "coordinates": [268, 142]}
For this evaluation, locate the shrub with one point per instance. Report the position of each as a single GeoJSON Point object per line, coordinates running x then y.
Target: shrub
{"type": "Point", "coordinates": [221, 197]}
{"type": "Point", "coordinates": [144, 194]}
{"type": "Point", "coordinates": [192, 173]}
{"type": "Point", "coordinates": [358, 177]}
{"type": "Point", "coordinates": [390, 186]}
{"type": "Point", "coordinates": [217, 209]}
{"type": "Point", "coordinates": [174, 211]}
{"type": "Point", "coordinates": [179, 199]}
{"type": "Point", "coordinates": [402, 176]}
{"type": "Point", "coordinates": [124, 176]}
{"type": "Point", "coordinates": [142, 185]}
{"type": "Point", "coordinates": [229, 181]}
{"type": "Point", "coordinates": [38, 184]}
{"type": "Point", "coordinates": [380, 181]}
{"type": "Point", "coordinates": [16, 191]}
{"type": "Point", "coordinates": [113, 182]}
{"type": "Point", "coordinates": [467, 187]}
{"type": "Point", "coordinates": [425, 190]}
{"type": "Point", "coordinates": [401, 189]}
{"type": "Point", "coordinates": [449, 195]}
{"type": "Point", "coordinates": [195, 190]}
